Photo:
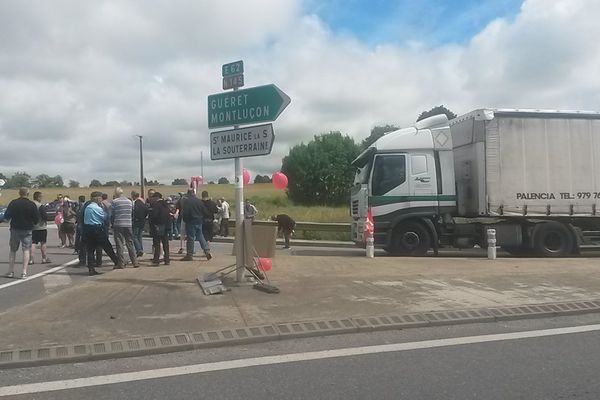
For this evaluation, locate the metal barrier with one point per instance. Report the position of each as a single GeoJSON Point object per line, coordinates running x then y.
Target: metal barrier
{"type": "Point", "coordinates": [330, 227]}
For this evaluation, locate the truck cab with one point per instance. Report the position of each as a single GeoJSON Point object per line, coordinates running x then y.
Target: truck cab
{"type": "Point", "coordinates": [405, 180]}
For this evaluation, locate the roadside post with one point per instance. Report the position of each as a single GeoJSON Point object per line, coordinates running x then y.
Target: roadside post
{"type": "Point", "coordinates": [242, 107]}
{"type": "Point", "coordinates": [491, 239]}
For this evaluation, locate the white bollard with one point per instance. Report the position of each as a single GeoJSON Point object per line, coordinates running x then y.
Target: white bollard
{"type": "Point", "coordinates": [491, 239]}
{"type": "Point", "coordinates": [370, 246]}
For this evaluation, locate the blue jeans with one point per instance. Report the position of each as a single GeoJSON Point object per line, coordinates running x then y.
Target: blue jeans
{"type": "Point", "coordinates": [173, 229]}
{"type": "Point", "coordinates": [138, 230]}
{"type": "Point", "coordinates": [193, 232]}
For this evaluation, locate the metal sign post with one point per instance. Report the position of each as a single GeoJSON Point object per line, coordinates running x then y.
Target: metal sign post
{"type": "Point", "coordinates": [242, 107]}
{"type": "Point", "coordinates": [240, 262]}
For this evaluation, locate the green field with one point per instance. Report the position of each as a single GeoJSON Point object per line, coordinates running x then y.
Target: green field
{"type": "Point", "coordinates": [266, 198]}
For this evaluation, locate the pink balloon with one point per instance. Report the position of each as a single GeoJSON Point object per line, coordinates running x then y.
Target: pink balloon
{"type": "Point", "coordinates": [246, 174]}
{"type": "Point", "coordinates": [280, 181]}
{"type": "Point", "coordinates": [265, 264]}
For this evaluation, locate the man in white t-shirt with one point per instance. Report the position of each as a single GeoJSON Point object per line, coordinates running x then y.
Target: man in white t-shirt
{"type": "Point", "coordinates": [224, 211]}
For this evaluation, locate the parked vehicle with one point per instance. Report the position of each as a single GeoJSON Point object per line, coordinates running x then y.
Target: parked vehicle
{"type": "Point", "coordinates": [533, 176]}
{"type": "Point", "coordinates": [2, 211]}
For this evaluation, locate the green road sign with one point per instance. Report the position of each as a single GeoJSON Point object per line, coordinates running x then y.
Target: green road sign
{"type": "Point", "coordinates": [247, 106]}
{"type": "Point", "coordinates": [233, 68]}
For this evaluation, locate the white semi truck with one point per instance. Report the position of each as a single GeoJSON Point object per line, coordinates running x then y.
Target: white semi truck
{"type": "Point", "coordinates": [532, 175]}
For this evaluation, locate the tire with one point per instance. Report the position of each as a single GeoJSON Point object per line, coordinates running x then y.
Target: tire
{"type": "Point", "coordinates": [553, 239]}
{"type": "Point", "coordinates": [410, 239]}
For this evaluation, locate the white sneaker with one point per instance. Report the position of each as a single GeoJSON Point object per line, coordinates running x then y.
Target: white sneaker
{"type": "Point", "coordinates": [10, 275]}
{"type": "Point", "coordinates": [23, 275]}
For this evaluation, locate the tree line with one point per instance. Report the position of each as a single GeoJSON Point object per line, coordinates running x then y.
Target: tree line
{"type": "Point", "coordinates": [42, 181]}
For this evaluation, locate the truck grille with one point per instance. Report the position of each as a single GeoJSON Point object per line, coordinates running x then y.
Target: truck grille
{"type": "Point", "coordinates": [354, 207]}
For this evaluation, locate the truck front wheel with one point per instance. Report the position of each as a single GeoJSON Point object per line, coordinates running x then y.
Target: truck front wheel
{"type": "Point", "coordinates": [410, 239]}
{"type": "Point", "coordinates": [553, 239]}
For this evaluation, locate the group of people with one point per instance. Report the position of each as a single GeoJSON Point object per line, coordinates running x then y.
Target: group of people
{"type": "Point", "coordinates": [91, 221]}
{"type": "Point", "coordinates": [85, 226]}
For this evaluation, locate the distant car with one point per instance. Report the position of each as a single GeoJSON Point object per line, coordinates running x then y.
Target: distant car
{"type": "Point", "coordinates": [50, 210]}
{"type": "Point", "coordinates": [2, 211]}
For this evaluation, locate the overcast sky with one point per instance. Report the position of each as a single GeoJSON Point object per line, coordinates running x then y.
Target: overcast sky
{"type": "Point", "coordinates": [78, 79]}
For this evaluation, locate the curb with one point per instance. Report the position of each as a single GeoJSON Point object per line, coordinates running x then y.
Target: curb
{"type": "Point", "coordinates": [139, 346]}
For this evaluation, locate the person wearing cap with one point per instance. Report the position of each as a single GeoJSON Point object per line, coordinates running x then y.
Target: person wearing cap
{"type": "Point", "coordinates": [95, 232]}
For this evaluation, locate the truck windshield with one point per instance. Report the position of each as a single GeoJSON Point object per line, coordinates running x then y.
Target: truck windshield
{"type": "Point", "coordinates": [363, 164]}
{"type": "Point", "coordinates": [362, 175]}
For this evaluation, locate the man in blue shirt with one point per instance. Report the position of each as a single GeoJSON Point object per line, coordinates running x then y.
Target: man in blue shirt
{"type": "Point", "coordinates": [95, 233]}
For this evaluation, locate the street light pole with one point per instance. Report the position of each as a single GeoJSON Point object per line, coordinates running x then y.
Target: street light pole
{"type": "Point", "coordinates": [141, 167]}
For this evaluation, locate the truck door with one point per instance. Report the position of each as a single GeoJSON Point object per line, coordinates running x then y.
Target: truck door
{"type": "Point", "coordinates": [422, 180]}
{"type": "Point", "coordinates": [388, 177]}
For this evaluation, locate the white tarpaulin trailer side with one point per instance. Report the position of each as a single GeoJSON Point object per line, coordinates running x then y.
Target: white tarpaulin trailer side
{"type": "Point", "coordinates": [527, 163]}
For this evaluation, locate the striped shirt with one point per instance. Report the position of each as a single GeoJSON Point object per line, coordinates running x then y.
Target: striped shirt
{"type": "Point", "coordinates": [122, 212]}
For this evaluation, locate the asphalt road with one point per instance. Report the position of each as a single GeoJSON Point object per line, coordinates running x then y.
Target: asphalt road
{"type": "Point", "coordinates": [44, 279]}
{"type": "Point", "coordinates": [537, 359]}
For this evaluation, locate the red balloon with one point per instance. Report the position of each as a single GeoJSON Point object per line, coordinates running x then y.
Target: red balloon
{"type": "Point", "coordinates": [246, 174]}
{"type": "Point", "coordinates": [280, 181]}
{"type": "Point", "coordinates": [265, 264]}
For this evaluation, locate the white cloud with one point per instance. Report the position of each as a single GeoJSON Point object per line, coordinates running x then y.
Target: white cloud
{"type": "Point", "coordinates": [79, 79]}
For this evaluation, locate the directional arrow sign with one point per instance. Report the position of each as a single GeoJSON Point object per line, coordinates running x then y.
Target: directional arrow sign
{"type": "Point", "coordinates": [244, 142]}
{"type": "Point", "coordinates": [247, 106]}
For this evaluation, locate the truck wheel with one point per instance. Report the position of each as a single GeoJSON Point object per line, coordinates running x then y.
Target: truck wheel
{"type": "Point", "coordinates": [410, 239]}
{"type": "Point", "coordinates": [553, 239]}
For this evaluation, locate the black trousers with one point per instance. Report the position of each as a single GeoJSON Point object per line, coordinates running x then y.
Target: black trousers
{"type": "Point", "coordinates": [160, 236]}
{"type": "Point", "coordinates": [224, 227]}
{"type": "Point", "coordinates": [95, 236]}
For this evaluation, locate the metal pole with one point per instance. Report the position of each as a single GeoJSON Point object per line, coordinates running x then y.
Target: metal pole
{"type": "Point", "coordinates": [239, 217]}
{"type": "Point", "coordinates": [142, 168]}
{"type": "Point", "coordinates": [239, 220]}
{"type": "Point", "coordinates": [202, 165]}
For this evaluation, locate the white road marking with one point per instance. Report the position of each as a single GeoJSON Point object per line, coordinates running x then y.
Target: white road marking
{"type": "Point", "coordinates": [49, 271]}
{"type": "Point", "coordinates": [281, 359]}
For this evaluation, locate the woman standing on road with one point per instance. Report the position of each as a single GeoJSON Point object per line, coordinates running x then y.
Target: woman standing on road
{"type": "Point", "coordinates": [59, 219]}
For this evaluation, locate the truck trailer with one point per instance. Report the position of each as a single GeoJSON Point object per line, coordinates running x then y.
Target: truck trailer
{"type": "Point", "coordinates": [532, 175]}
